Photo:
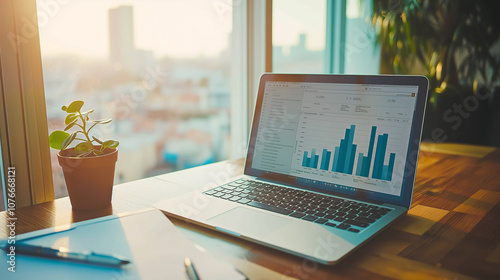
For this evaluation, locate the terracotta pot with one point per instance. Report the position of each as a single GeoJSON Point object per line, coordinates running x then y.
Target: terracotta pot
{"type": "Point", "coordinates": [89, 180]}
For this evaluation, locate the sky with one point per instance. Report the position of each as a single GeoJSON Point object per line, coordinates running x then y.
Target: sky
{"type": "Point", "coordinates": [175, 28]}
{"type": "Point", "coordinates": [292, 17]}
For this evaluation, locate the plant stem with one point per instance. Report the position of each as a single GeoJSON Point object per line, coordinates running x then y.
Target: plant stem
{"type": "Point", "coordinates": [84, 125]}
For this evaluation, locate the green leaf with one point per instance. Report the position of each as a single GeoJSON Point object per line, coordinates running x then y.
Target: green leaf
{"type": "Point", "coordinates": [70, 125]}
{"type": "Point", "coordinates": [83, 147]}
{"type": "Point", "coordinates": [110, 144]}
{"type": "Point", "coordinates": [68, 140]}
{"type": "Point", "coordinates": [97, 140]}
{"type": "Point", "coordinates": [104, 121]}
{"type": "Point", "coordinates": [70, 118]}
{"type": "Point", "coordinates": [57, 138]}
{"type": "Point", "coordinates": [75, 106]}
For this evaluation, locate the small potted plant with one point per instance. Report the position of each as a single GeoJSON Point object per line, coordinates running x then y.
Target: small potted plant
{"type": "Point", "coordinates": [89, 166]}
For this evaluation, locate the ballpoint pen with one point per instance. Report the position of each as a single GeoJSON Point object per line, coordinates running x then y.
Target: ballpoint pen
{"type": "Point", "coordinates": [190, 270]}
{"type": "Point", "coordinates": [64, 254]}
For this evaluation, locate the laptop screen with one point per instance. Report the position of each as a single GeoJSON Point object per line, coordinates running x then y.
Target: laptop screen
{"type": "Point", "coordinates": [349, 137]}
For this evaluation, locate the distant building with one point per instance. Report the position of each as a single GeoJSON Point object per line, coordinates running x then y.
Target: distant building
{"type": "Point", "coordinates": [299, 60]}
{"type": "Point", "coordinates": [121, 38]}
{"type": "Point", "coordinates": [300, 49]}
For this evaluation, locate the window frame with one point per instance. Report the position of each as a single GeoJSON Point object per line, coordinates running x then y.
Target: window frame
{"type": "Point", "coordinates": [335, 36]}
{"type": "Point", "coordinates": [23, 130]}
{"type": "Point", "coordinates": [254, 52]}
{"type": "Point", "coordinates": [239, 80]}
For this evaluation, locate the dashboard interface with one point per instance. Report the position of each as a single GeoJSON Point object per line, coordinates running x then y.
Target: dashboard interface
{"type": "Point", "coordinates": [342, 136]}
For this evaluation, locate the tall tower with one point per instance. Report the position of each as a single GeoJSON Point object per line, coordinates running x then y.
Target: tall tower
{"type": "Point", "coordinates": [121, 37]}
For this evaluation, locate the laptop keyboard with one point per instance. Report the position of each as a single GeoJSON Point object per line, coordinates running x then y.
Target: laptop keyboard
{"type": "Point", "coordinates": [330, 211]}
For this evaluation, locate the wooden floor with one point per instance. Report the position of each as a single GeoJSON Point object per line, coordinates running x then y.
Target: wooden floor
{"type": "Point", "coordinates": [452, 230]}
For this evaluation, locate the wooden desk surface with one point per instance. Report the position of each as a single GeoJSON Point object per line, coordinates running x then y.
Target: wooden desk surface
{"type": "Point", "coordinates": [452, 230]}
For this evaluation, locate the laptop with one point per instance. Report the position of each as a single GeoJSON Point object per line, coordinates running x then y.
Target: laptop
{"type": "Point", "coordinates": [331, 162]}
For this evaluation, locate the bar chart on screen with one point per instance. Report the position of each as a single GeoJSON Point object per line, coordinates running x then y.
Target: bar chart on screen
{"type": "Point", "coordinates": [345, 154]}
{"type": "Point", "coordinates": [347, 149]}
{"type": "Point", "coordinates": [353, 137]}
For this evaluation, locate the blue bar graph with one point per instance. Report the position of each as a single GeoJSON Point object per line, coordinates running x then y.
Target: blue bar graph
{"type": "Point", "coordinates": [378, 163]}
{"type": "Point", "coordinates": [350, 148]}
{"type": "Point", "coordinates": [325, 159]}
{"type": "Point", "coordinates": [305, 160]}
{"type": "Point", "coordinates": [380, 170]}
{"type": "Point", "coordinates": [314, 159]}
{"type": "Point", "coordinates": [336, 159]}
{"type": "Point", "coordinates": [342, 154]}
{"type": "Point", "coordinates": [311, 161]}
{"type": "Point", "coordinates": [359, 167]}
{"type": "Point", "coordinates": [364, 162]}
{"type": "Point", "coordinates": [387, 169]}
{"type": "Point", "coordinates": [344, 157]}
{"type": "Point", "coordinates": [345, 153]}
{"type": "Point", "coordinates": [315, 162]}
{"type": "Point", "coordinates": [352, 154]}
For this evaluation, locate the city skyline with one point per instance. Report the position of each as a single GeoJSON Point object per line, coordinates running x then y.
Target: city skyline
{"type": "Point", "coordinates": [70, 30]}
{"type": "Point", "coordinates": [164, 28]}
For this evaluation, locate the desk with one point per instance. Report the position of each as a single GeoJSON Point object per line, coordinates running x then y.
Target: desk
{"type": "Point", "coordinates": [452, 230]}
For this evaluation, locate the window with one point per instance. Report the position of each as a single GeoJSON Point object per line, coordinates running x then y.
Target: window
{"type": "Point", "coordinates": [299, 29]}
{"type": "Point", "coordinates": [24, 132]}
{"type": "Point", "coordinates": [172, 108]}
{"type": "Point", "coordinates": [361, 54]}
{"type": "Point", "coordinates": [324, 36]}
{"type": "Point", "coordinates": [160, 69]}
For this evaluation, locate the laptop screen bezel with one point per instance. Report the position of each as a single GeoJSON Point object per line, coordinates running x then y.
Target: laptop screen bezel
{"type": "Point", "coordinates": [413, 148]}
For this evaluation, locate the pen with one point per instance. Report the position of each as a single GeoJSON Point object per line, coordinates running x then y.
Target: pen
{"type": "Point", "coordinates": [190, 270]}
{"type": "Point", "coordinates": [64, 254]}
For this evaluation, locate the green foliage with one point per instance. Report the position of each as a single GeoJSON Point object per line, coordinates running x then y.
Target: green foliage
{"type": "Point", "coordinates": [76, 119]}
{"type": "Point", "coordinates": [453, 42]}
{"type": "Point", "coordinates": [57, 138]}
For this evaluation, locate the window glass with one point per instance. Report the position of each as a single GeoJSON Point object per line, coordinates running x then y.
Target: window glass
{"type": "Point", "coordinates": [160, 69]}
{"type": "Point", "coordinates": [362, 55]}
{"type": "Point", "coordinates": [299, 36]}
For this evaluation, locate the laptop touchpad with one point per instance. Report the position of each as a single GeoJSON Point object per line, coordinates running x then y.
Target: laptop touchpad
{"type": "Point", "coordinates": [248, 222]}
